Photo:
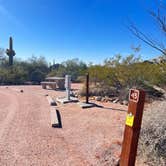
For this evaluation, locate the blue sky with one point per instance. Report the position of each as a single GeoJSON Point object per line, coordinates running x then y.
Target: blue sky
{"type": "Point", "coordinates": [91, 30]}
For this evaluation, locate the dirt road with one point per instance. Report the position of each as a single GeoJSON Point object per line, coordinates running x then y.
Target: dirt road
{"type": "Point", "coordinates": [27, 138]}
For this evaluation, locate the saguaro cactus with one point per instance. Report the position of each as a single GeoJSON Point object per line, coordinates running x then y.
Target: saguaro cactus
{"type": "Point", "coordinates": [10, 52]}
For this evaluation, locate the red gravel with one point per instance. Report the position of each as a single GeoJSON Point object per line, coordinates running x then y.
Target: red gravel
{"type": "Point", "coordinates": [27, 138]}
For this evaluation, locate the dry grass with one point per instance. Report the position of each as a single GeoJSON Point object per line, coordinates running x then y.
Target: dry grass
{"type": "Point", "coordinates": [152, 142]}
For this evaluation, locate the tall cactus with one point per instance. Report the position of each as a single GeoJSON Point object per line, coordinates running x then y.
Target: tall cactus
{"type": "Point", "coordinates": [10, 52]}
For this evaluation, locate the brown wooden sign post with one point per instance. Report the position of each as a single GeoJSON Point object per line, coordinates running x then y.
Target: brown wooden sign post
{"type": "Point", "coordinates": [132, 127]}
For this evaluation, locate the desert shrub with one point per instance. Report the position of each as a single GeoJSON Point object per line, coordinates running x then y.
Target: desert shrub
{"type": "Point", "coordinates": [152, 142]}
{"type": "Point", "coordinates": [14, 75]}
{"type": "Point", "coordinates": [73, 67]}
{"type": "Point", "coordinates": [125, 73]}
{"type": "Point", "coordinates": [37, 76]}
{"type": "Point", "coordinates": [34, 69]}
{"type": "Point", "coordinates": [100, 91]}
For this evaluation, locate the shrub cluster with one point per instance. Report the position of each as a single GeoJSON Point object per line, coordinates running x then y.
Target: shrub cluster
{"type": "Point", "coordinates": [72, 67]}
{"type": "Point", "coordinates": [33, 70]}
{"type": "Point", "coordinates": [125, 73]}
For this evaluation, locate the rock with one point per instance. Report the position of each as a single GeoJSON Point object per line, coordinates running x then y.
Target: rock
{"type": "Point", "coordinates": [121, 102]}
{"type": "Point", "coordinates": [112, 99]}
{"type": "Point", "coordinates": [98, 98]}
{"type": "Point", "coordinates": [103, 99]}
{"type": "Point", "coordinates": [72, 94]}
{"type": "Point", "coordinates": [159, 89]}
{"type": "Point", "coordinates": [125, 102]}
{"type": "Point", "coordinates": [107, 99]}
{"type": "Point", "coordinates": [116, 100]}
{"type": "Point", "coordinates": [92, 98]}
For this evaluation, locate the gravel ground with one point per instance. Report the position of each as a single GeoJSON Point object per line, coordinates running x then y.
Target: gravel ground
{"type": "Point", "coordinates": [27, 138]}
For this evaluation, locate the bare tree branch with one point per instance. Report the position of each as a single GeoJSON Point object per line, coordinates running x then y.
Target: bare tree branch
{"type": "Point", "coordinates": [160, 18]}
{"type": "Point", "coordinates": [146, 39]}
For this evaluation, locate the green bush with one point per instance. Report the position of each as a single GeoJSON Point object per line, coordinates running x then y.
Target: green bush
{"type": "Point", "coordinates": [34, 69]}
{"type": "Point", "coordinates": [72, 67]}
{"type": "Point", "coordinates": [129, 72]}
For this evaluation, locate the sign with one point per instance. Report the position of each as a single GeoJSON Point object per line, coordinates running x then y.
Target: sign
{"type": "Point", "coordinates": [130, 120]}
{"type": "Point", "coordinates": [134, 95]}
{"type": "Point", "coordinates": [132, 127]}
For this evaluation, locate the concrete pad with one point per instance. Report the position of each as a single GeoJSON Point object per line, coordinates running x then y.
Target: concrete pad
{"type": "Point", "coordinates": [55, 118]}
{"type": "Point", "coordinates": [86, 105]}
{"type": "Point", "coordinates": [51, 101]}
{"type": "Point", "coordinates": [64, 100]}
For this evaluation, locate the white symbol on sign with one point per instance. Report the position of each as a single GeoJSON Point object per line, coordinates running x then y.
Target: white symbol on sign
{"type": "Point", "coordinates": [134, 95]}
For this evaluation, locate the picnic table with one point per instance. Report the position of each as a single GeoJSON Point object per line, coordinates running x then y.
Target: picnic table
{"type": "Point", "coordinates": [54, 83]}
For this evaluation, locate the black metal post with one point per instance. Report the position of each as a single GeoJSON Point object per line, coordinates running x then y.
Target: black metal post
{"type": "Point", "coordinates": [87, 88]}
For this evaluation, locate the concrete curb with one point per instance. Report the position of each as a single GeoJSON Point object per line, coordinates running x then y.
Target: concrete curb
{"type": "Point", "coordinates": [55, 118]}
{"type": "Point", "coordinates": [86, 105]}
{"type": "Point", "coordinates": [64, 100]}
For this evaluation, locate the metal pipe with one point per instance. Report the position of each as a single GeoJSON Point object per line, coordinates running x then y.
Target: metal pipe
{"type": "Point", "coordinates": [87, 88]}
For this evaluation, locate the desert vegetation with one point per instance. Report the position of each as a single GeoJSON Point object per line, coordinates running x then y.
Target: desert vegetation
{"type": "Point", "coordinates": [35, 69]}
{"type": "Point", "coordinates": [152, 142]}
{"type": "Point", "coordinates": [117, 75]}
{"type": "Point", "coordinates": [114, 77]}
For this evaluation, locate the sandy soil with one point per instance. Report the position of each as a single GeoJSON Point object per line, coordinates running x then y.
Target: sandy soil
{"type": "Point", "coordinates": [27, 138]}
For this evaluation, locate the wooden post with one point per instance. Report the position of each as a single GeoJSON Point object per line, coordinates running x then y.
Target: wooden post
{"type": "Point", "coordinates": [87, 88]}
{"type": "Point", "coordinates": [132, 127]}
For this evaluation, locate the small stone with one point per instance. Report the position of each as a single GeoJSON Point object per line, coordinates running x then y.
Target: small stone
{"type": "Point", "coordinates": [92, 98]}
{"type": "Point", "coordinates": [97, 156]}
{"type": "Point", "coordinates": [112, 99]}
{"type": "Point", "coordinates": [107, 99]}
{"type": "Point", "coordinates": [98, 98]}
{"type": "Point", "coordinates": [121, 102]}
{"type": "Point", "coordinates": [116, 100]}
{"type": "Point", "coordinates": [72, 94]}
{"type": "Point", "coordinates": [125, 102]}
{"type": "Point", "coordinates": [103, 99]}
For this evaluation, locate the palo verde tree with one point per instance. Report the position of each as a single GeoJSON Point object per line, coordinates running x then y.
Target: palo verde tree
{"type": "Point", "coordinates": [159, 16]}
